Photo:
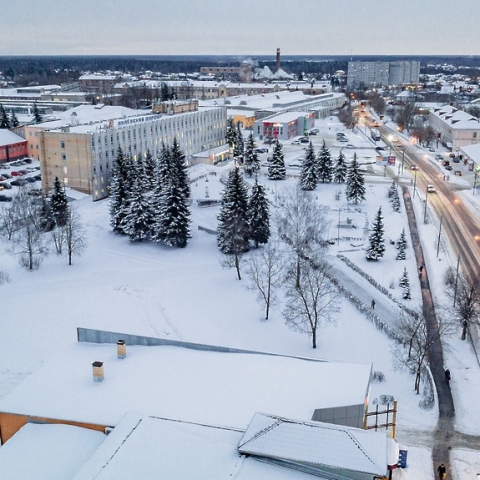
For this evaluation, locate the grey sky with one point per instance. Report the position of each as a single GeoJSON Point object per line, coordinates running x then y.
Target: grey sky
{"type": "Point", "coordinates": [240, 27]}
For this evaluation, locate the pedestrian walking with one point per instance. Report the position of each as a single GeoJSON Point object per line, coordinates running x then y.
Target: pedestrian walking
{"type": "Point", "coordinates": [420, 269]}
{"type": "Point", "coordinates": [373, 304]}
{"type": "Point", "coordinates": [447, 376]}
{"type": "Point", "coordinates": [442, 471]}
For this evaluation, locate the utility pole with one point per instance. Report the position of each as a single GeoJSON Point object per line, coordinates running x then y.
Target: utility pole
{"type": "Point", "coordinates": [439, 233]}
{"type": "Point", "coordinates": [425, 210]}
{"type": "Point", "coordinates": [456, 282]}
{"type": "Point", "coordinates": [415, 184]}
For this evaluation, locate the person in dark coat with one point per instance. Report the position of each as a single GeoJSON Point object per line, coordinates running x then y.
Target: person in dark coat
{"type": "Point", "coordinates": [442, 471]}
{"type": "Point", "coordinates": [373, 304]}
{"type": "Point", "coordinates": [447, 376]}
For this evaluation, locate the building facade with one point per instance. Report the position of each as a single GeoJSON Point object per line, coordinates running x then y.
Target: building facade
{"type": "Point", "coordinates": [12, 146]}
{"type": "Point", "coordinates": [82, 155]}
{"type": "Point", "coordinates": [284, 126]}
{"type": "Point", "coordinates": [377, 74]}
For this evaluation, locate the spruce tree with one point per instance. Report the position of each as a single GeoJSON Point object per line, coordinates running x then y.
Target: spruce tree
{"type": "Point", "coordinates": [4, 120]}
{"type": "Point", "coordinates": [231, 136]}
{"type": "Point", "coordinates": [258, 215]}
{"type": "Point", "coordinates": [118, 191]}
{"type": "Point", "coordinates": [179, 170]}
{"type": "Point", "coordinates": [46, 220]}
{"type": "Point", "coordinates": [376, 239]}
{"type": "Point", "coordinates": [233, 229]}
{"type": "Point", "coordinates": [308, 175]}
{"type": "Point", "coordinates": [137, 221]}
{"type": "Point", "coordinates": [59, 203]}
{"type": "Point", "coordinates": [251, 162]}
{"type": "Point", "coordinates": [405, 284]}
{"type": "Point", "coordinates": [276, 168]}
{"type": "Point", "coordinates": [392, 189]}
{"type": "Point", "coordinates": [340, 172]}
{"type": "Point", "coordinates": [325, 165]}
{"type": "Point", "coordinates": [36, 114]}
{"type": "Point", "coordinates": [172, 225]}
{"type": "Point", "coordinates": [355, 189]}
{"type": "Point", "coordinates": [14, 120]}
{"type": "Point", "coordinates": [395, 201]}
{"type": "Point", "coordinates": [239, 147]}
{"type": "Point", "coordinates": [401, 246]}
{"type": "Point", "coordinates": [149, 169]}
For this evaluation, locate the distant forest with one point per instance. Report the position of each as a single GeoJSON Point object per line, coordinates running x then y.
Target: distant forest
{"type": "Point", "coordinates": [46, 70]}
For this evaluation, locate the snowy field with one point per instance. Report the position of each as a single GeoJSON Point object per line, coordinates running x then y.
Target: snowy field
{"type": "Point", "coordinates": [185, 294]}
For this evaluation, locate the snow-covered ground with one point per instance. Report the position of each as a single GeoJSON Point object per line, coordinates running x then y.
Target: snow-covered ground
{"type": "Point", "coordinates": [185, 294]}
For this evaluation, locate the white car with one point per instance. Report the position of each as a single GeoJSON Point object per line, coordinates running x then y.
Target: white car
{"type": "Point", "coordinates": [349, 145]}
{"type": "Point", "coordinates": [430, 189]}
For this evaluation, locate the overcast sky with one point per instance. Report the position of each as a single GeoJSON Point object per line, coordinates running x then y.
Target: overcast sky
{"type": "Point", "coordinates": [240, 27]}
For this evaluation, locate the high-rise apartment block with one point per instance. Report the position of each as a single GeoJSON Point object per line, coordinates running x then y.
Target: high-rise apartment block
{"type": "Point", "coordinates": [377, 74]}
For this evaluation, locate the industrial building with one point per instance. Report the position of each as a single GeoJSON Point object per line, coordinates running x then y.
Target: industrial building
{"type": "Point", "coordinates": [378, 74]}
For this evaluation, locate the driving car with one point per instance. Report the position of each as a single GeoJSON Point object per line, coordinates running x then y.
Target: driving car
{"type": "Point", "coordinates": [448, 167]}
{"type": "Point", "coordinates": [430, 189]}
{"type": "Point", "coordinates": [378, 149]}
{"type": "Point", "coordinates": [349, 145]}
{"type": "Point", "coordinates": [438, 157]}
{"type": "Point", "coordinates": [413, 167]}
{"type": "Point", "coordinates": [455, 160]}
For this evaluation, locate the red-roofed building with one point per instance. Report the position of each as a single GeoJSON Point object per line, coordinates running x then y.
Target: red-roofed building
{"type": "Point", "coordinates": [12, 146]}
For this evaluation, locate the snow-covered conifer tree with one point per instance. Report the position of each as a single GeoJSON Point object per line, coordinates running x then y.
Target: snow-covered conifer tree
{"type": "Point", "coordinates": [308, 175]}
{"type": "Point", "coordinates": [118, 190]}
{"type": "Point", "coordinates": [231, 136]}
{"type": "Point", "coordinates": [4, 120]}
{"type": "Point", "coordinates": [59, 203]}
{"type": "Point", "coordinates": [340, 171]}
{"type": "Point", "coordinates": [239, 147]}
{"type": "Point", "coordinates": [250, 161]}
{"type": "Point", "coordinates": [405, 284]}
{"type": "Point", "coordinates": [377, 241]}
{"type": "Point", "coordinates": [401, 246]}
{"type": "Point", "coordinates": [325, 169]}
{"type": "Point", "coordinates": [178, 169]}
{"type": "Point", "coordinates": [355, 189]}
{"type": "Point", "coordinates": [258, 215]}
{"type": "Point", "coordinates": [276, 168]}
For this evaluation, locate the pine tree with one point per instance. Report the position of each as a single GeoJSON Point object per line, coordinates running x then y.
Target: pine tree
{"type": "Point", "coordinates": [392, 189]}
{"type": "Point", "coordinates": [239, 147]}
{"type": "Point", "coordinates": [355, 189]}
{"type": "Point", "coordinates": [340, 173]}
{"type": "Point", "coordinates": [36, 114]}
{"type": "Point", "coordinates": [231, 136]}
{"type": "Point", "coordinates": [4, 120]}
{"type": "Point", "coordinates": [377, 241]}
{"type": "Point", "coordinates": [276, 168]}
{"type": "Point", "coordinates": [137, 221]}
{"type": "Point", "coordinates": [396, 201]}
{"type": "Point", "coordinates": [258, 215]}
{"type": "Point", "coordinates": [325, 169]}
{"type": "Point", "coordinates": [405, 284]}
{"type": "Point", "coordinates": [118, 190]}
{"type": "Point", "coordinates": [178, 169]}
{"type": "Point", "coordinates": [251, 162]}
{"type": "Point", "coordinates": [401, 246]}
{"type": "Point", "coordinates": [308, 175]}
{"type": "Point", "coordinates": [233, 229]}
{"type": "Point", "coordinates": [14, 120]}
{"type": "Point", "coordinates": [59, 203]}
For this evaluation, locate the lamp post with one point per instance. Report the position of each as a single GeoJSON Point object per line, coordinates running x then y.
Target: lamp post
{"type": "Point", "coordinates": [439, 233]}
{"type": "Point", "coordinates": [425, 209]}
{"type": "Point", "coordinates": [415, 184]}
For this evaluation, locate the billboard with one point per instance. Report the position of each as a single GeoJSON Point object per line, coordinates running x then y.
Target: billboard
{"type": "Point", "coordinates": [386, 161]}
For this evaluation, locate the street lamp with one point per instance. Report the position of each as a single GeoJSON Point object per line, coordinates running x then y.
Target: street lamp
{"type": "Point", "coordinates": [425, 209]}
{"type": "Point", "coordinates": [415, 184]}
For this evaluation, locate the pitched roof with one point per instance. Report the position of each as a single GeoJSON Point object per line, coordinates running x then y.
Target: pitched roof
{"type": "Point", "coordinates": [8, 138]}
{"type": "Point", "coordinates": [315, 444]}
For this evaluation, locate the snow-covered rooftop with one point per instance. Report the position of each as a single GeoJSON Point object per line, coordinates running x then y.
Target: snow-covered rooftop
{"type": "Point", "coordinates": [7, 137]}
{"type": "Point", "coordinates": [472, 151]}
{"type": "Point", "coordinates": [456, 119]}
{"type": "Point", "coordinates": [210, 387]}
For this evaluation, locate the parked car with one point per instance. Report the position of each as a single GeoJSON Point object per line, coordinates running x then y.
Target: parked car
{"type": "Point", "coordinates": [314, 131]}
{"type": "Point", "coordinates": [343, 139]}
{"type": "Point", "coordinates": [438, 157]}
{"type": "Point", "coordinates": [22, 172]}
{"type": "Point", "coordinates": [27, 160]}
{"type": "Point", "coordinates": [448, 167]}
{"type": "Point", "coordinates": [18, 183]}
{"type": "Point", "coordinates": [379, 149]}
{"type": "Point", "coordinates": [431, 149]}
{"type": "Point", "coordinates": [458, 173]}
{"type": "Point", "coordinates": [340, 135]}
{"type": "Point", "coordinates": [5, 166]}
{"type": "Point", "coordinates": [296, 142]}
{"type": "Point", "coordinates": [15, 174]}
{"type": "Point", "coordinates": [6, 185]}
{"type": "Point", "coordinates": [6, 175]}
{"type": "Point", "coordinates": [304, 140]}
{"type": "Point", "coordinates": [2, 178]}
{"type": "Point", "coordinates": [30, 179]}
{"type": "Point", "coordinates": [5, 198]}
{"type": "Point", "coordinates": [430, 189]}
{"type": "Point", "coordinates": [38, 177]}
{"type": "Point", "coordinates": [15, 164]}
{"type": "Point", "coordinates": [30, 169]}
{"type": "Point", "coordinates": [35, 192]}
{"type": "Point", "coordinates": [350, 145]}
{"type": "Point", "coordinates": [455, 160]}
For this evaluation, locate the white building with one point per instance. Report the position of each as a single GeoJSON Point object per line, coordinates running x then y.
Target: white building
{"type": "Point", "coordinates": [377, 74]}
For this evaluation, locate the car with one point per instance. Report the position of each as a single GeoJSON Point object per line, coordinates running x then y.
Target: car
{"type": "Point", "coordinates": [304, 140]}
{"type": "Point", "coordinates": [451, 155]}
{"type": "Point", "coordinates": [18, 183]}
{"type": "Point", "coordinates": [431, 149]}
{"type": "Point", "coordinates": [458, 173]}
{"type": "Point", "coordinates": [6, 175]}
{"type": "Point", "coordinates": [431, 189]}
{"type": "Point", "coordinates": [296, 142]}
{"type": "Point", "coordinates": [379, 149]}
{"type": "Point", "coordinates": [15, 164]}
{"type": "Point", "coordinates": [6, 186]}
{"type": "Point", "coordinates": [413, 167]}
{"type": "Point", "coordinates": [343, 139]}
{"type": "Point", "coordinates": [15, 174]}
{"type": "Point", "coordinates": [30, 180]}
{"type": "Point", "coordinates": [376, 124]}
{"type": "Point", "coordinates": [22, 172]}
{"type": "Point", "coordinates": [314, 131]}
{"type": "Point", "coordinates": [455, 160]}
{"type": "Point", "coordinates": [35, 192]}
{"type": "Point", "coordinates": [438, 157]}
{"type": "Point", "coordinates": [349, 145]}
{"type": "Point", "coordinates": [5, 166]}
{"type": "Point", "coordinates": [5, 198]}
{"type": "Point", "coordinates": [30, 169]}
{"type": "Point", "coordinates": [340, 135]}
{"type": "Point", "coordinates": [448, 167]}
{"type": "Point", "coordinates": [27, 160]}
{"type": "Point", "coordinates": [2, 178]}
{"type": "Point", "coordinates": [37, 168]}
{"type": "Point", "coordinates": [38, 177]}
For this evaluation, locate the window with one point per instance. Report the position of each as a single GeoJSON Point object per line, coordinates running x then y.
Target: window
{"type": "Point", "coordinates": [64, 157]}
{"type": "Point", "coordinates": [64, 169]}
{"type": "Point", "coordinates": [474, 134]}
{"type": "Point", "coordinates": [62, 144]}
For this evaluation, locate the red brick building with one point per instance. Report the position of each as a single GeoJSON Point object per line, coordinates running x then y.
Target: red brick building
{"type": "Point", "coordinates": [12, 146]}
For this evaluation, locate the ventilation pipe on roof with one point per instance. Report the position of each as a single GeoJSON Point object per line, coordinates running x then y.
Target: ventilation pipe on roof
{"type": "Point", "coordinates": [121, 349]}
{"type": "Point", "coordinates": [97, 371]}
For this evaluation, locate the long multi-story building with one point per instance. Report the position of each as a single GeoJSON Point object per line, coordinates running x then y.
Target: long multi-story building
{"type": "Point", "coordinates": [81, 147]}
{"type": "Point", "coordinates": [377, 74]}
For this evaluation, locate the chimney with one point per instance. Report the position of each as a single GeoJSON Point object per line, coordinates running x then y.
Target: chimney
{"type": "Point", "coordinates": [278, 59]}
{"type": "Point", "coordinates": [97, 371]}
{"type": "Point", "coordinates": [121, 349]}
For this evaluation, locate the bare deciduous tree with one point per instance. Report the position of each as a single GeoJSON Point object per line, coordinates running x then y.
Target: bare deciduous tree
{"type": "Point", "coordinates": [75, 239]}
{"type": "Point", "coordinates": [265, 269]}
{"type": "Point", "coordinates": [302, 225]}
{"type": "Point", "coordinates": [313, 302]}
